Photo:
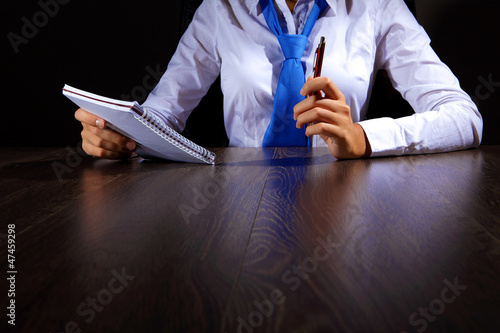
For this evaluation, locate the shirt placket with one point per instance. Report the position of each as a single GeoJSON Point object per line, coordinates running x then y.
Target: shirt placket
{"type": "Point", "coordinates": [300, 15]}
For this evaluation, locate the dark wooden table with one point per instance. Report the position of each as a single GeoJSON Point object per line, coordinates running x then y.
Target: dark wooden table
{"type": "Point", "coordinates": [267, 240]}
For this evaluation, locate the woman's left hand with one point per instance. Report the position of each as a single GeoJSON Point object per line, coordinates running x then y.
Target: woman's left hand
{"type": "Point", "coordinates": [330, 117]}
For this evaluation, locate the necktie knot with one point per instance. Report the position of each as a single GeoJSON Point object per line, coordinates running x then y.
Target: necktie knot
{"type": "Point", "coordinates": [293, 46]}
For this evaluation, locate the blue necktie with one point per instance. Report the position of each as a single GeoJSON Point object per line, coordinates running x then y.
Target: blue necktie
{"type": "Point", "coordinates": [281, 131]}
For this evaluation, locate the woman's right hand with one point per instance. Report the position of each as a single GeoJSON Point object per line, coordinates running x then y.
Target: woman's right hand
{"type": "Point", "coordinates": [99, 141]}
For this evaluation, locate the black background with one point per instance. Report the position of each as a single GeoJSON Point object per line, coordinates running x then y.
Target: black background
{"type": "Point", "coordinates": [111, 47]}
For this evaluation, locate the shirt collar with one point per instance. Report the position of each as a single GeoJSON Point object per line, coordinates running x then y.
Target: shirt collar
{"type": "Point", "coordinates": [252, 5]}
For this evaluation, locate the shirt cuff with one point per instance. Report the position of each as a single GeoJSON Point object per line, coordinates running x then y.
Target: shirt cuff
{"type": "Point", "coordinates": [385, 136]}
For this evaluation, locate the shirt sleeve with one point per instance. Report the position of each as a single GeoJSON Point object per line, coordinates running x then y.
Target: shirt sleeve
{"type": "Point", "coordinates": [193, 68]}
{"type": "Point", "coordinates": [445, 117]}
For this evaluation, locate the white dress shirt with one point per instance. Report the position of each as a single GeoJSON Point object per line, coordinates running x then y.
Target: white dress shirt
{"type": "Point", "coordinates": [232, 38]}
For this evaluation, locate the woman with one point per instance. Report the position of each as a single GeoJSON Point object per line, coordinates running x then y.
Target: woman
{"type": "Point", "coordinates": [236, 39]}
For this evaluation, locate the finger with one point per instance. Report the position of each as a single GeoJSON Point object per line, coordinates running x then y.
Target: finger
{"type": "Point", "coordinates": [95, 146]}
{"type": "Point", "coordinates": [103, 153]}
{"type": "Point", "coordinates": [326, 130]}
{"type": "Point", "coordinates": [318, 115]}
{"type": "Point", "coordinates": [317, 110]}
{"type": "Point", "coordinates": [86, 117]}
{"type": "Point", "coordinates": [108, 139]}
{"type": "Point", "coordinates": [324, 84]}
{"type": "Point", "coordinates": [310, 103]}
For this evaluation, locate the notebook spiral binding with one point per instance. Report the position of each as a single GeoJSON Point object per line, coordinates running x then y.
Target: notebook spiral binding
{"type": "Point", "coordinates": [156, 125]}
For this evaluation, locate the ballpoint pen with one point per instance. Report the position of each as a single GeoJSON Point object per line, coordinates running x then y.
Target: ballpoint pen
{"type": "Point", "coordinates": [318, 63]}
{"type": "Point", "coordinates": [318, 60]}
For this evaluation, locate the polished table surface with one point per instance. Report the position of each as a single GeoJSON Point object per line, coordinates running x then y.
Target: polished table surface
{"type": "Point", "coordinates": [266, 240]}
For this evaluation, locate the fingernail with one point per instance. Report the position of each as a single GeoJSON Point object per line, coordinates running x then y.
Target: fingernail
{"type": "Point", "coordinates": [130, 145]}
{"type": "Point", "coordinates": [99, 123]}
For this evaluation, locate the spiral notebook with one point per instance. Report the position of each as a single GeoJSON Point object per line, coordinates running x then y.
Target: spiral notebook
{"type": "Point", "coordinates": [154, 138]}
